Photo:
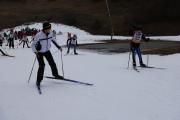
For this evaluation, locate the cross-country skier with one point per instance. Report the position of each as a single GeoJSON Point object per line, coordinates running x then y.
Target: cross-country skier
{"type": "Point", "coordinates": [72, 42]}
{"type": "Point", "coordinates": [24, 40]}
{"type": "Point", "coordinates": [54, 33]}
{"type": "Point", "coordinates": [11, 39]}
{"type": "Point", "coordinates": [138, 36]}
{"type": "Point", "coordinates": [41, 47]}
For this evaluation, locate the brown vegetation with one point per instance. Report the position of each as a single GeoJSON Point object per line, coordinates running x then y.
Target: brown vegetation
{"type": "Point", "coordinates": [158, 17]}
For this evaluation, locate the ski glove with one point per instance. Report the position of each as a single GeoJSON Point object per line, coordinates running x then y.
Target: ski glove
{"type": "Point", "coordinates": [147, 39]}
{"type": "Point", "coordinates": [59, 47]}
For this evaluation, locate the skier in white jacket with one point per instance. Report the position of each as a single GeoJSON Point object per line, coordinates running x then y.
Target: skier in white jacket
{"type": "Point", "coordinates": [41, 47]}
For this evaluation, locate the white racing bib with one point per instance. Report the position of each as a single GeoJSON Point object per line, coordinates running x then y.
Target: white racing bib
{"type": "Point", "coordinates": [137, 36]}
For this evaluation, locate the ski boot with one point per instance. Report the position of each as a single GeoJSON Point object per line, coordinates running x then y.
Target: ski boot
{"type": "Point", "coordinates": [38, 85]}
{"type": "Point", "coordinates": [59, 77]}
{"type": "Point", "coordinates": [134, 65]}
{"type": "Point", "coordinates": [143, 65]}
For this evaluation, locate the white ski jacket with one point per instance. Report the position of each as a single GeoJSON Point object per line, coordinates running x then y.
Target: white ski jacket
{"type": "Point", "coordinates": [45, 41]}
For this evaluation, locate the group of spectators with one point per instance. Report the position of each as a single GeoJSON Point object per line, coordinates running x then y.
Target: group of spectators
{"type": "Point", "coordinates": [10, 36]}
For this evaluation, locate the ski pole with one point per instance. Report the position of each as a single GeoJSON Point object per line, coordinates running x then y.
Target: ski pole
{"type": "Point", "coordinates": [32, 69]}
{"type": "Point", "coordinates": [62, 64]}
{"type": "Point", "coordinates": [4, 50]}
{"type": "Point", "coordinates": [55, 52]}
{"type": "Point", "coordinates": [129, 59]}
{"type": "Point", "coordinates": [147, 59]}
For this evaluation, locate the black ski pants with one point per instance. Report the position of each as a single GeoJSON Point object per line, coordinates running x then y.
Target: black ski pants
{"type": "Point", "coordinates": [11, 42]}
{"type": "Point", "coordinates": [49, 58]}
{"type": "Point", "coordinates": [25, 42]}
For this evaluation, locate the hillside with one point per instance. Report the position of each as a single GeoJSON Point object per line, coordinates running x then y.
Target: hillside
{"type": "Point", "coordinates": [158, 17]}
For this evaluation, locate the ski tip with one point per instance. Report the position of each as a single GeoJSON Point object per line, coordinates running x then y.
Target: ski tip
{"type": "Point", "coordinates": [89, 84]}
{"type": "Point", "coordinates": [8, 55]}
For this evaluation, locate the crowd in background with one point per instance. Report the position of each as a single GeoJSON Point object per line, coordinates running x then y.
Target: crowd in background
{"type": "Point", "coordinates": [9, 37]}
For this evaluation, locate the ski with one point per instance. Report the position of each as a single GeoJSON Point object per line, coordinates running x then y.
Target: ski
{"type": "Point", "coordinates": [72, 54]}
{"type": "Point", "coordinates": [70, 80]}
{"type": "Point", "coordinates": [8, 55]}
{"type": "Point", "coordinates": [39, 90]}
{"type": "Point", "coordinates": [152, 67]}
{"type": "Point", "coordinates": [5, 53]}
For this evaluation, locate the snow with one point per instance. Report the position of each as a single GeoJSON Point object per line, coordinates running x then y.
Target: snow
{"type": "Point", "coordinates": [167, 38]}
{"type": "Point", "coordinates": [56, 26]}
{"type": "Point", "coordinates": [84, 36]}
{"type": "Point", "coordinates": [118, 93]}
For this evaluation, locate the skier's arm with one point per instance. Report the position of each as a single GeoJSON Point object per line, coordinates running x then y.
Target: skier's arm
{"type": "Point", "coordinates": [55, 43]}
{"type": "Point", "coordinates": [76, 43]}
{"type": "Point", "coordinates": [34, 44]}
{"type": "Point", "coordinates": [145, 39]}
{"type": "Point", "coordinates": [67, 43]}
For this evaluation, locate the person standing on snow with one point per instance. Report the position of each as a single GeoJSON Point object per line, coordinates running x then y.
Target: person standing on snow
{"type": "Point", "coordinates": [54, 34]}
{"type": "Point", "coordinates": [41, 47]}
{"type": "Point", "coordinates": [138, 36]}
{"type": "Point", "coordinates": [24, 40]}
{"type": "Point", "coordinates": [72, 42]}
{"type": "Point", "coordinates": [11, 39]}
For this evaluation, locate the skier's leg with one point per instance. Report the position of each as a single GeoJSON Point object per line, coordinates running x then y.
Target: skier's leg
{"type": "Point", "coordinates": [40, 69]}
{"type": "Point", "coordinates": [140, 58]}
{"type": "Point", "coordinates": [52, 64]}
{"type": "Point", "coordinates": [133, 55]}
{"type": "Point", "coordinates": [13, 43]}
{"type": "Point", "coordinates": [75, 49]}
{"type": "Point", "coordinates": [10, 43]}
{"type": "Point", "coordinates": [27, 44]}
{"type": "Point", "coordinates": [7, 42]}
{"type": "Point", "coordinates": [68, 49]}
{"type": "Point", "coordinates": [23, 44]}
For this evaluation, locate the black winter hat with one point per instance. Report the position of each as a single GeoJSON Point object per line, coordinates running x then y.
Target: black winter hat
{"type": "Point", "coordinates": [46, 25]}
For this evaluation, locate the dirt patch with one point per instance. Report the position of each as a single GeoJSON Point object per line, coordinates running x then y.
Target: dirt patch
{"type": "Point", "coordinates": [121, 46]}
